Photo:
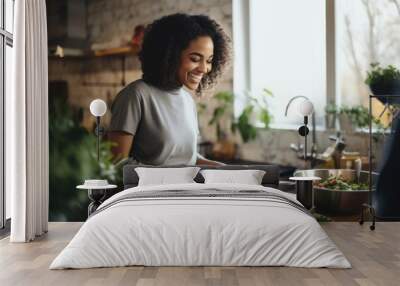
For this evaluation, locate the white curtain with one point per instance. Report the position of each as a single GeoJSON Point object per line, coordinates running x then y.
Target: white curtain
{"type": "Point", "coordinates": [27, 124]}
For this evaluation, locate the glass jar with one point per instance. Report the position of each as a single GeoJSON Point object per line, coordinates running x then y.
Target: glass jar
{"type": "Point", "coordinates": [349, 159]}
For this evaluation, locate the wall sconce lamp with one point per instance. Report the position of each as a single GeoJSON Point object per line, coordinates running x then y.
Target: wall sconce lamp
{"type": "Point", "coordinates": [98, 108]}
{"type": "Point", "coordinates": [305, 108]}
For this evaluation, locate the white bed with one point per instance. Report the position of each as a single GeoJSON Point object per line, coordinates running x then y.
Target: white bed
{"type": "Point", "coordinates": [185, 230]}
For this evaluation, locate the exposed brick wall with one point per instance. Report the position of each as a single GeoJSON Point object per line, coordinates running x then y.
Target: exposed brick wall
{"type": "Point", "coordinates": [115, 20]}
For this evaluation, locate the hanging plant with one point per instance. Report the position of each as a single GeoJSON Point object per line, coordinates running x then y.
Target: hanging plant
{"type": "Point", "coordinates": [384, 81]}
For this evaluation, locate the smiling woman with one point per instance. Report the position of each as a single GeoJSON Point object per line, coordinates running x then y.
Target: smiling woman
{"type": "Point", "coordinates": [154, 119]}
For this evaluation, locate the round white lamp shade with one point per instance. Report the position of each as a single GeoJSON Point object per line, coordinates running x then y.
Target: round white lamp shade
{"type": "Point", "coordinates": [306, 108]}
{"type": "Point", "coordinates": [98, 107]}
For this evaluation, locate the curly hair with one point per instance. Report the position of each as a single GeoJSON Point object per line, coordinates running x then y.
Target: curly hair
{"type": "Point", "coordinates": [167, 37]}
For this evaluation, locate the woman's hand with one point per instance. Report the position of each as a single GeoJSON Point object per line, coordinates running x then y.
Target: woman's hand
{"type": "Point", "coordinates": [203, 161]}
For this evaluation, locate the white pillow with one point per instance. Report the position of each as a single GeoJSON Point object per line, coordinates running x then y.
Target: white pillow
{"type": "Point", "coordinates": [248, 177]}
{"type": "Point", "coordinates": [162, 176]}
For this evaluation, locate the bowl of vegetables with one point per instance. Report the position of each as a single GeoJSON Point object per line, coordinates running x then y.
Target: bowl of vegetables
{"type": "Point", "coordinates": [340, 192]}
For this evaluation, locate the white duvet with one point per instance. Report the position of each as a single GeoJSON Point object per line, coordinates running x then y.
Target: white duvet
{"type": "Point", "coordinates": [200, 231]}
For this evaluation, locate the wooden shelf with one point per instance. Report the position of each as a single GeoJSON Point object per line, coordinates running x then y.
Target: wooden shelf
{"type": "Point", "coordinates": [119, 51]}
{"type": "Point", "coordinates": [112, 52]}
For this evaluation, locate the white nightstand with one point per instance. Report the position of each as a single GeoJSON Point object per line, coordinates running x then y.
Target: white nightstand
{"type": "Point", "coordinates": [96, 194]}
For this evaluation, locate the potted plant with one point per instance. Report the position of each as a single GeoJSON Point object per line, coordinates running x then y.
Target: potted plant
{"type": "Point", "coordinates": [354, 117]}
{"type": "Point", "coordinates": [225, 148]}
{"type": "Point", "coordinates": [359, 116]}
{"type": "Point", "coordinates": [256, 111]}
{"type": "Point", "coordinates": [345, 121]}
{"type": "Point", "coordinates": [331, 112]}
{"type": "Point", "coordinates": [384, 81]}
{"type": "Point", "coordinates": [224, 101]}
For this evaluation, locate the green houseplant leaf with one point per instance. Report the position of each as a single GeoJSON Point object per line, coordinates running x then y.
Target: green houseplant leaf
{"type": "Point", "coordinates": [246, 129]}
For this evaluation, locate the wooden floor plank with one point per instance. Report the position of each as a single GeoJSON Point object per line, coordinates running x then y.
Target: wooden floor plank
{"type": "Point", "coordinates": [374, 255]}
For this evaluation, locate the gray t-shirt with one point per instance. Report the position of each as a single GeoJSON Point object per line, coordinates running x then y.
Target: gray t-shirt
{"type": "Point", "coordinates": [164, 123]}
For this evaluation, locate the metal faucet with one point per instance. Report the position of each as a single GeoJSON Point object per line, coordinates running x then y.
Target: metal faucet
{"type": "Point", "coordinates": [299, 148]}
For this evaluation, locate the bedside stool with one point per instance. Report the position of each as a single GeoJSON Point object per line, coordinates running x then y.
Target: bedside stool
{"type": "Point", "coordinates": [96, 195]}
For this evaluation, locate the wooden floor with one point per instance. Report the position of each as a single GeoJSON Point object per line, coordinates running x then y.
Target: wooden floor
{"type": "Point", "coordinates": [375, 257]}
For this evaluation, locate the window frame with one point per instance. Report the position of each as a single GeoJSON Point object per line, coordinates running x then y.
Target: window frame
{"type": "Point", "coordinates": [6, 39]}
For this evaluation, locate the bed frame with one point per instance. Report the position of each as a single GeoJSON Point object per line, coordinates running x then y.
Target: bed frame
{"type": "Point", "coordinates": [270, 179]}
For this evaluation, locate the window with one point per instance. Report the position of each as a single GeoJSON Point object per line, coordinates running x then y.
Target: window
{"type": "Point", "coordinates": [287, 54]}
{"type": "Point", "coordinates": [320, 49]}
{"type": "Point", "coordinates": [9, 15]}
{"type": "Point", "coordinates": [6, 44]}
{"type": "Point", "coordinates": [366, 31]}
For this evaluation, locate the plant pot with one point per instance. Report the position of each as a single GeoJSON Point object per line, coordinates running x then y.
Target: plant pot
{"type": "Point", "coordinates": [346, 123]}
{"type": "Point", "coordinates": [386, 88]}
{"type": "Point", "coordinates": [330, 120]}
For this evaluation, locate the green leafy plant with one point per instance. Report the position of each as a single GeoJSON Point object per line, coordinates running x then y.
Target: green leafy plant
{"type": "Point", "coordinates": [264, 114]}
{"type": "Point", "coordinates": [359, 115]}
{"type": "Point", "coordinates": [224, 104]}
{"type": "Point", "coordinates": [379, 75]}
{"type": "Point", "coordinates": [384, 81]}
{"type": "Point", "coordinates": [257, 107]}
{"type": "Point", "coordinates": [243, 124]}
{"type": "Point", "coordinates": [73, 158]}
